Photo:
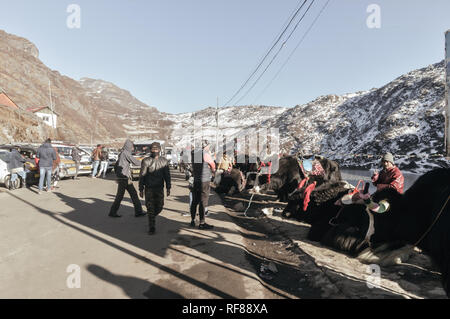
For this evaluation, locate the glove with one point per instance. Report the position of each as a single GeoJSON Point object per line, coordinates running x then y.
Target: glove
{"type": "Point", "coordinates": [168, 192]}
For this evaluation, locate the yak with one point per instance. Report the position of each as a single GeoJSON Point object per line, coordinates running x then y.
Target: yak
{"type": "Point", "coordinates": [289, 175]}
{"type": "Point", "coordinates": [420, 217]}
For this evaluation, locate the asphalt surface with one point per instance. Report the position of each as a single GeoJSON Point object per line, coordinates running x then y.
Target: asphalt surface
{"type": "Point", "coordinates": [63, 245]}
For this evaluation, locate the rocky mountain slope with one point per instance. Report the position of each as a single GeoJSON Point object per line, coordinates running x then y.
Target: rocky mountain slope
{"type": "Point", "coordinates": [405, 117]}
{"type": "Point", "coordinates": [89, 110]}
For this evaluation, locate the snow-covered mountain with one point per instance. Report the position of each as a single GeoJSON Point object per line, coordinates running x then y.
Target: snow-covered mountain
{"type": "Point", "coordinates": [231, 120]}
{"type": "Point", "coordinates": [405, 117]}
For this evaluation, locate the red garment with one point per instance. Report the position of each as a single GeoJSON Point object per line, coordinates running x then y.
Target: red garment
{"type": "Point", "coordinates": [208, 159]}
{"type": "Point", "coordinates": [392, 178]}
{"type": "Point", "coordinates": [308, 192]}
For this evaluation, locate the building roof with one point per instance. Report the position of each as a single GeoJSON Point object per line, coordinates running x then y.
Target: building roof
{"type": "Point", "coordinates": [35, 109]}
{"type": "Point", "coordinates": [5, 100]}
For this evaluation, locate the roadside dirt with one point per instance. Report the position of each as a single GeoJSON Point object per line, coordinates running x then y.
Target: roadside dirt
{"type": "Point", "coordinates": [305, 269]}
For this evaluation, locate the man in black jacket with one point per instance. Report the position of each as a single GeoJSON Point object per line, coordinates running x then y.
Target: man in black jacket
{"type": "Point", "coordinates": [123, 174]}
{"type": "Point", "coordinates": [154, 172]}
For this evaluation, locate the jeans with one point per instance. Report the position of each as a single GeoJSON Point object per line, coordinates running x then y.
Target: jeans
{"type": "Point", "coordinates": [94, 170]}
{"type": "Point", "coordinates": [77, 165]}
{"type": "Point", "coordinates": [22, 174]}
{"type": "Point", "coordinates": [43, 171]}
{"type": "Point", "coordinates": [103, 168]}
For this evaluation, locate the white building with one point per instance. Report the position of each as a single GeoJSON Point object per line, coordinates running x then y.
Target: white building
{"type": "Point", "coordinates": [46, 114]}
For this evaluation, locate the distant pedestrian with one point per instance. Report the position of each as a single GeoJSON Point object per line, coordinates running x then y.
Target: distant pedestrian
{"type": "Point", "coordinates": [46, 155]}
{"type": "Point", "coordinates": [96, 160]}
{"type": "Point", "coordinates": [123, 173]}
{"type": "Point", "coordinates": [16, 164]}
{"type": "Point", "coordinates": [55, 169]}
{"type": "Point", "coordinates": [104, 161]}
{"type": "Point", "coordinates": [76, 157]}
{"type": "Point", "coordinates": [154, 174]}
{"type": "Point", "coordinates": [203, 165]}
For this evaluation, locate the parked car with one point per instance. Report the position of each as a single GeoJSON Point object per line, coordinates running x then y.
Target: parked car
{"type": "Point", "coordinates": [65, 151]}
{"type": "Point", "coordinates": [29, 153]}
{"type": "Point", "coordinates": [5, 175]}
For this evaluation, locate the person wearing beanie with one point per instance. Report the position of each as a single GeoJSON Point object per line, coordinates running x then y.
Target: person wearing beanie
{"type": "Point", "coordinates": [390, 176]}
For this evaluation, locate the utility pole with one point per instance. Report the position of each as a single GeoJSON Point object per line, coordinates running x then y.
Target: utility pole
{"type": "Point", "coordinates": [51, 102]}
{"type": "Point", "coordinates": [447, 93]}
{"type": "Point", "coordinates": [217, 129]}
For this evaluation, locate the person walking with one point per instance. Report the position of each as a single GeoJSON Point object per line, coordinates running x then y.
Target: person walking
{"type": "Point", "coordinates": [76, 157]}
{"type": "Point", "coordinates": [104, 161]}
{"type": "Point", "coordinates": [154, 173]}
{"type": "Point", "coordinates": [46, 155]}
{"type": "Point", "coordinates": [96, 160]}
{"type": "Point", "coordinates": [123, 173]}
{"type": "Point", "coordinates": [203, 166]}
{"type": "Point", "coordinates": [55, 169]}
{"type": "Point", "coordinates": [16, 164]}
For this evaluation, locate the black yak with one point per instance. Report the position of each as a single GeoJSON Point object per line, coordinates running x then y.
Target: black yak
{"type": "Point", "coordinates": [231, 182]}
{"type": "Point", "coordinates": [289, 175]}
{"type": "Point", "coordinates": [420, 217]}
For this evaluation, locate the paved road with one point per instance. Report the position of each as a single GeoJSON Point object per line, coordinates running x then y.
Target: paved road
{"type": "Point", "coordinates": [43, 234]}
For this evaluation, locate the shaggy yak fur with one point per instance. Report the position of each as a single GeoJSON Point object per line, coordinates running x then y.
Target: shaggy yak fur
{"type": "Point", "coordinates": [424, 209]}
{"type": "Point", "coordinates": [286, 180]}
{"type": "Point", "coordinates": [230, 183]}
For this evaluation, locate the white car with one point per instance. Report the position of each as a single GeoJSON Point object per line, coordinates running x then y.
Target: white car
{"type": "Point", "coordinates": [5, 175]}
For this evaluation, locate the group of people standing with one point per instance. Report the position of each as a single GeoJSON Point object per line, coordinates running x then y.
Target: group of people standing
{"type": "Point", "coordinates": [100, 158]}
{"type": "Point", "coordinates": [154, 175]}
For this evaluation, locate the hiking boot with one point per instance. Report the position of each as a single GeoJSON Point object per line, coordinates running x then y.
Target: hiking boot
{"type": "Point", "coordinates": [115, 215]}
{"type": "Point", "coordinates": [140, 214]}
{"type": "Point", "coordinates": [192, 223]}
{"type": "Point", "coordinates": [205, 226]}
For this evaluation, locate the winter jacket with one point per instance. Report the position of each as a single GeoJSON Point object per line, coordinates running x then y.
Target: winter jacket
{"type": "Point", "coordinates": [76, 155]}
{"type": "Point", "coordinates": [154, 172]}
{"type": "Point", "coordinates": [202, 169]}
{"type": "Point", "coordinates": [124, 159]}
{"type": "Point", "coordinates": [225, 164]}
{"type": "Point", "coordinates": [104, 157]}
{"type": "Point", "coordinates": [392, 178]}
{"type": "Point", "coordinates": [46, 155]}
{"type": "Point", "coordinates": [96, 154]}
{"type": "Point", "coordinates": [16, 160]}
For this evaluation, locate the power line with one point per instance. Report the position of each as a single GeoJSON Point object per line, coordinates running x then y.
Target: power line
{"type": "Point", "coordinates": [275, 56]}
{"type": "Point", "coordinates": [292, 53]}
{"type": "Point", "coordinates": [267, 54]}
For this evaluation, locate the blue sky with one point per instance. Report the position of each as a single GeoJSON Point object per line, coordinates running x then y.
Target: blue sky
{"type": "Point", "coordinates": [180, 55]}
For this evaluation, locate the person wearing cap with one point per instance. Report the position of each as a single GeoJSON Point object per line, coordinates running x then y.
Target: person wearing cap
{"type": "Point", "coordinates": [390, 176]}
{"type": "Point", "coordinates": [203, 167]}
{"type": "Point", "coordinates": [154, 173]}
